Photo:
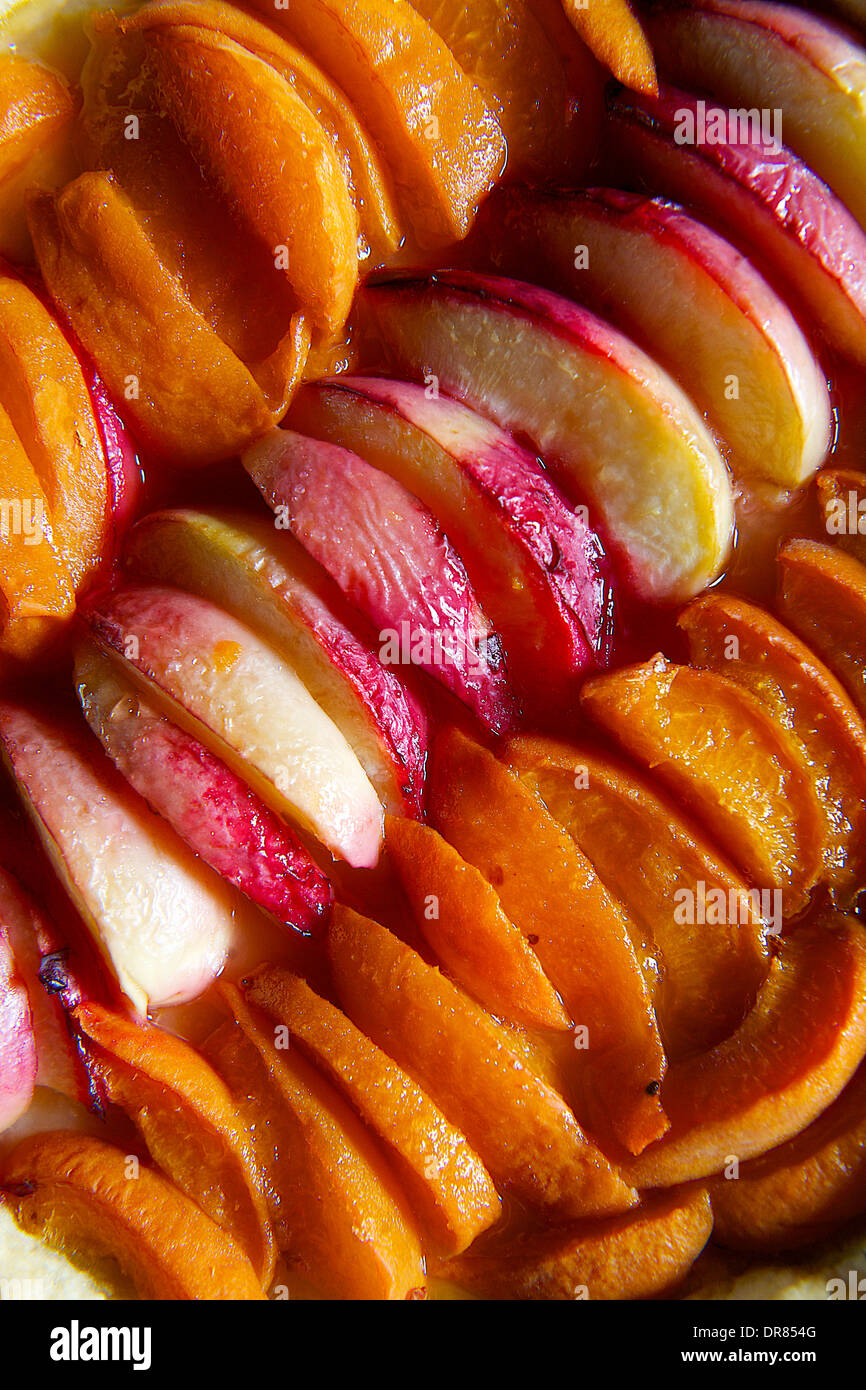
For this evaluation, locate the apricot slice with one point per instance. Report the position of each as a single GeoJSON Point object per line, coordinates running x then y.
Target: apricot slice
{"type": "Point", "coordinates": [83, 1196]}
{"type": "Point", "coordinates": [713, 745]}
{"type": "Point", "coordinates": [580, 934]}
{"type": "Point", "coordinates": [336, 1210]}
{"type": "Point", "coordinates": [299, 202]}
{"type": "Point", "coordinates": [450, 1188]}
{"type": "Point", "coordinates": [842, 498]}
{"type": "Point", "coordinates": [789, 1059]}
{"type": "Point", "coordinates": [188, 394]}
{"type": "Point", "coordinates": [187, 1119]}
{"type": "Point", "coordinates": [441, 140]}
{"type": "Point", "coordinates": [462, 920]}
{"type": "Point", "coordinates": [641, 1254]}
{"type": "Point", "coordinates": [822, 596]}
{"type": "Point", "coordinates": [800, 1192]}
{"type": "Point", "coordinates": [48, 401]}
{"type": "Point", "coordinates": [610, 31]}
{"type": "Point", "coordinates": [729, 635]}
{"type": "Point", "coordinates": [522, 1129]}
{"type": "Point", "coordinates": [665, 872]}
{"type": "Point", "coordinates": [35, 584]}
{"type": "Point", "coordinates": [34, 103]}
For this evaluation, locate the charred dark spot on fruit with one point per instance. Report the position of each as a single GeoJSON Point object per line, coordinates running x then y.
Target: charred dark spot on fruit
{"type": "Point", "coordinates": [653, 1088]}
{"type": "Point", "coordinates": [18, 1189]}
{"type": "Point", "coordinates": [532, 939]}
{"type": "Point", "coordinates": [496, 876]}
{"type": "Point", "coordinates": [53, 972]}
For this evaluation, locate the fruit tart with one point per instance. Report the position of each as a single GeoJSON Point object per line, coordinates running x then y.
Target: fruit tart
{"type": "Point", "coordinates": [432, 650]}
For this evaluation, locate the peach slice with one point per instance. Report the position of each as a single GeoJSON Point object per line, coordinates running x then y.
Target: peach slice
{"type": "Point", "coordinates": [210, 807]}
{"type": "Point", "coordinates": [48, 401]}
{"type": "Point", "coordinates": [822, 595]}
{"type": "Point", "coordinates": [300, 199]}
{"type": "Point", "coordinates": [441, 139]}
{"type": "Point", "coordinates": [749, 53]}
{"type": "Point", "coordinates": [615, 430]}
{"type": "Point", "coordinates": [161, 921]}
{"type": "Point", "coordinates": [580, 934]}
{"type": "Point", "coordinates": [76, 1193]}
{"type": "Point", "coordinates": [525, 78]}
{"type": "Point", "coordinates": [537, 565]}
{"type": "Point", "coordinates": [728, 635]}
{"type": "Point", "coordinates": [522, 1129]}
{"type": "Point", "coordinates": [187, 1119]}
{"type": "Point", "coordinates": [842, 497]}
{"type": "Point", "coordinates": [263, 577]}
{"type": "Point", "coordinates": [611, 31]}
{"type": "Point", "coordinates": [449, 1186]}
{"type": "Point", "coordinates": [643, 1254]}
{"type": "Point", "coordinates": [336, 1209]}
{"type": "Point", "coordinates": [368, 182]}
{"type": "Point", "coordinates": [18, 1058]}
{"type": "Point", "coordinates": [34, 104]}
{"type": "Point", "coordinates": [651, 860]}
{"type": "Point", "coordinates": [234, 693]}
{"type": "Point", "coordinates": [789, 1059]}
{"type": "Point", "coordinates": [461, 918]}
{"type": "Point", "coordinates": [188, 394]}
{"type": "Point", "coordinates": [718, 323]}
{"type": "Point", "coordinates": [763, 196]}
{"type": "Point", "coordinates": [35, 585]}
{"type": "Point", "coordinates": [714, 745]}
{"type": "Point", "coordinates": [800, 1192]}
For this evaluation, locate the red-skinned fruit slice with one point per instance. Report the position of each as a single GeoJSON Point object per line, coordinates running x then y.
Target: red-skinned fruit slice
{"type": "Point", "coordinates": [17, 1038]}
{"type": "Point", "coordinates": [209, 806]}
{"type": "Point", "coordinates": [390, 558]}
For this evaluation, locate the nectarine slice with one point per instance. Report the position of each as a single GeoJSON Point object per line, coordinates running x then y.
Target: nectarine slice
{"type": "Point", "coordinates": [822, 595]}
{"type": "Point", "coordinates": [707, 966]}
{"type": "Point", "coordinates": [450, 1188]}
{"type": "Point", "coordinates": [34, 104]}
{"type": "Point", "coordinates": [712, 744]}
{"type": "Point", "coordinates": [842, 497]}
{"type": "Point", "coordinates": [580, 934]}
{"type": "Point", "coordinates": [800, 1192]}
{"type": "Point", "coordinates": [738, 639]}
{"type": "Point", "coordinates": [337, 1211]}
{"type": "Point", "coordinates": [442, 141]}
{"type": "Point", "coordinates": [187, 1119]}
{"type": "Point", "coordinates": [186, 391]}
{"type": "Point", "coordinates": [642, 1254]}
{"type": "Point", "coordinates": [522, 1129]}
{"type": "Point", "coordinates": [78, 1194]}
{"type": "Point", "coordinates": [611, 31]}
{"type": "Point", "coordinates": [299, 203]}
{"type": "Point", "coordinates": [789, 1059]}
{"type": "Point", "coordinates": [462, 920]}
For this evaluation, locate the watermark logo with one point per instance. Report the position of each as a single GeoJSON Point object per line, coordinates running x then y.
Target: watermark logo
{"type": "Point", "coordinates": [846, 516]}
{"type": "Point", "coordinates": [22, 516]}
{"type": "Point", "coordinates": [852, 1288]}
{"type": "Point", "coordinates": [77, 1343]}
{"type": "Point", "coordinates": [718, 125]}
{"type": "Point", "coordinates": [408, 646]}
{"type": "Point", "coordinates": [716, 907]}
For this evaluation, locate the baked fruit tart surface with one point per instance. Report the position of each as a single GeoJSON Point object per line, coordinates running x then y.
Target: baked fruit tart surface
{"type": "Point", "coordinates": [433, 649]}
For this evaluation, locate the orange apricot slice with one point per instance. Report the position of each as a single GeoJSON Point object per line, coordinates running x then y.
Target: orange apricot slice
{"type": "Point", "coordinates": [299, 203]}
{"type": "Point", "coordinates": [822, 596]}
{"type": "Point", "coordinates": [713, 745]}
{"type": "Point", "coordinates": [48, 401]}
{"type": "Point", "coordinates": [522, 1129]}
{"type": "Point", "coordinates": [842, 498]}
{"type": "Point", "coordinates": [789, 1060]}
{"type": "Point", "coordinates": [450, 1189]}
{"type": "Point", "coordinates": [800, 1192]}
{"type": "Point", "coordinates": [610, 31]}
{"type": "Point", "coordinates": [186, 391]}
{"type": "Point", "coordinates": [337, 1212]}
{"type": "Point", "coordinates": [81, 1195]}
{"type": "Point", "coordinates": [738, 639]}
{"type": "Point", "coordinates": [644, 1253]}
{"type": "Point", "coordinates": [709, 962]}
{"type": "Point", "coordinates": [555, 899]}
{"type": "Point", "coordinates": [34, 104]}
{"type": "Point", "coordinates": [187, 1119]}
{"type": "Point", "coordinates": [441, 140]}
{"type": "Point", "coordinates": [462, 920]}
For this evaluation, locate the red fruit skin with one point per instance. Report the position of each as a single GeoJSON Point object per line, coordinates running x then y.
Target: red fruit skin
{"type": "Point", "coordinates": [17, 1039]}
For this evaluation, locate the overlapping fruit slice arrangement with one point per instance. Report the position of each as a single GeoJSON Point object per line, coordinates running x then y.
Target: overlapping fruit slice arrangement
{"type": "Point", "coordinates": [568, 975]}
